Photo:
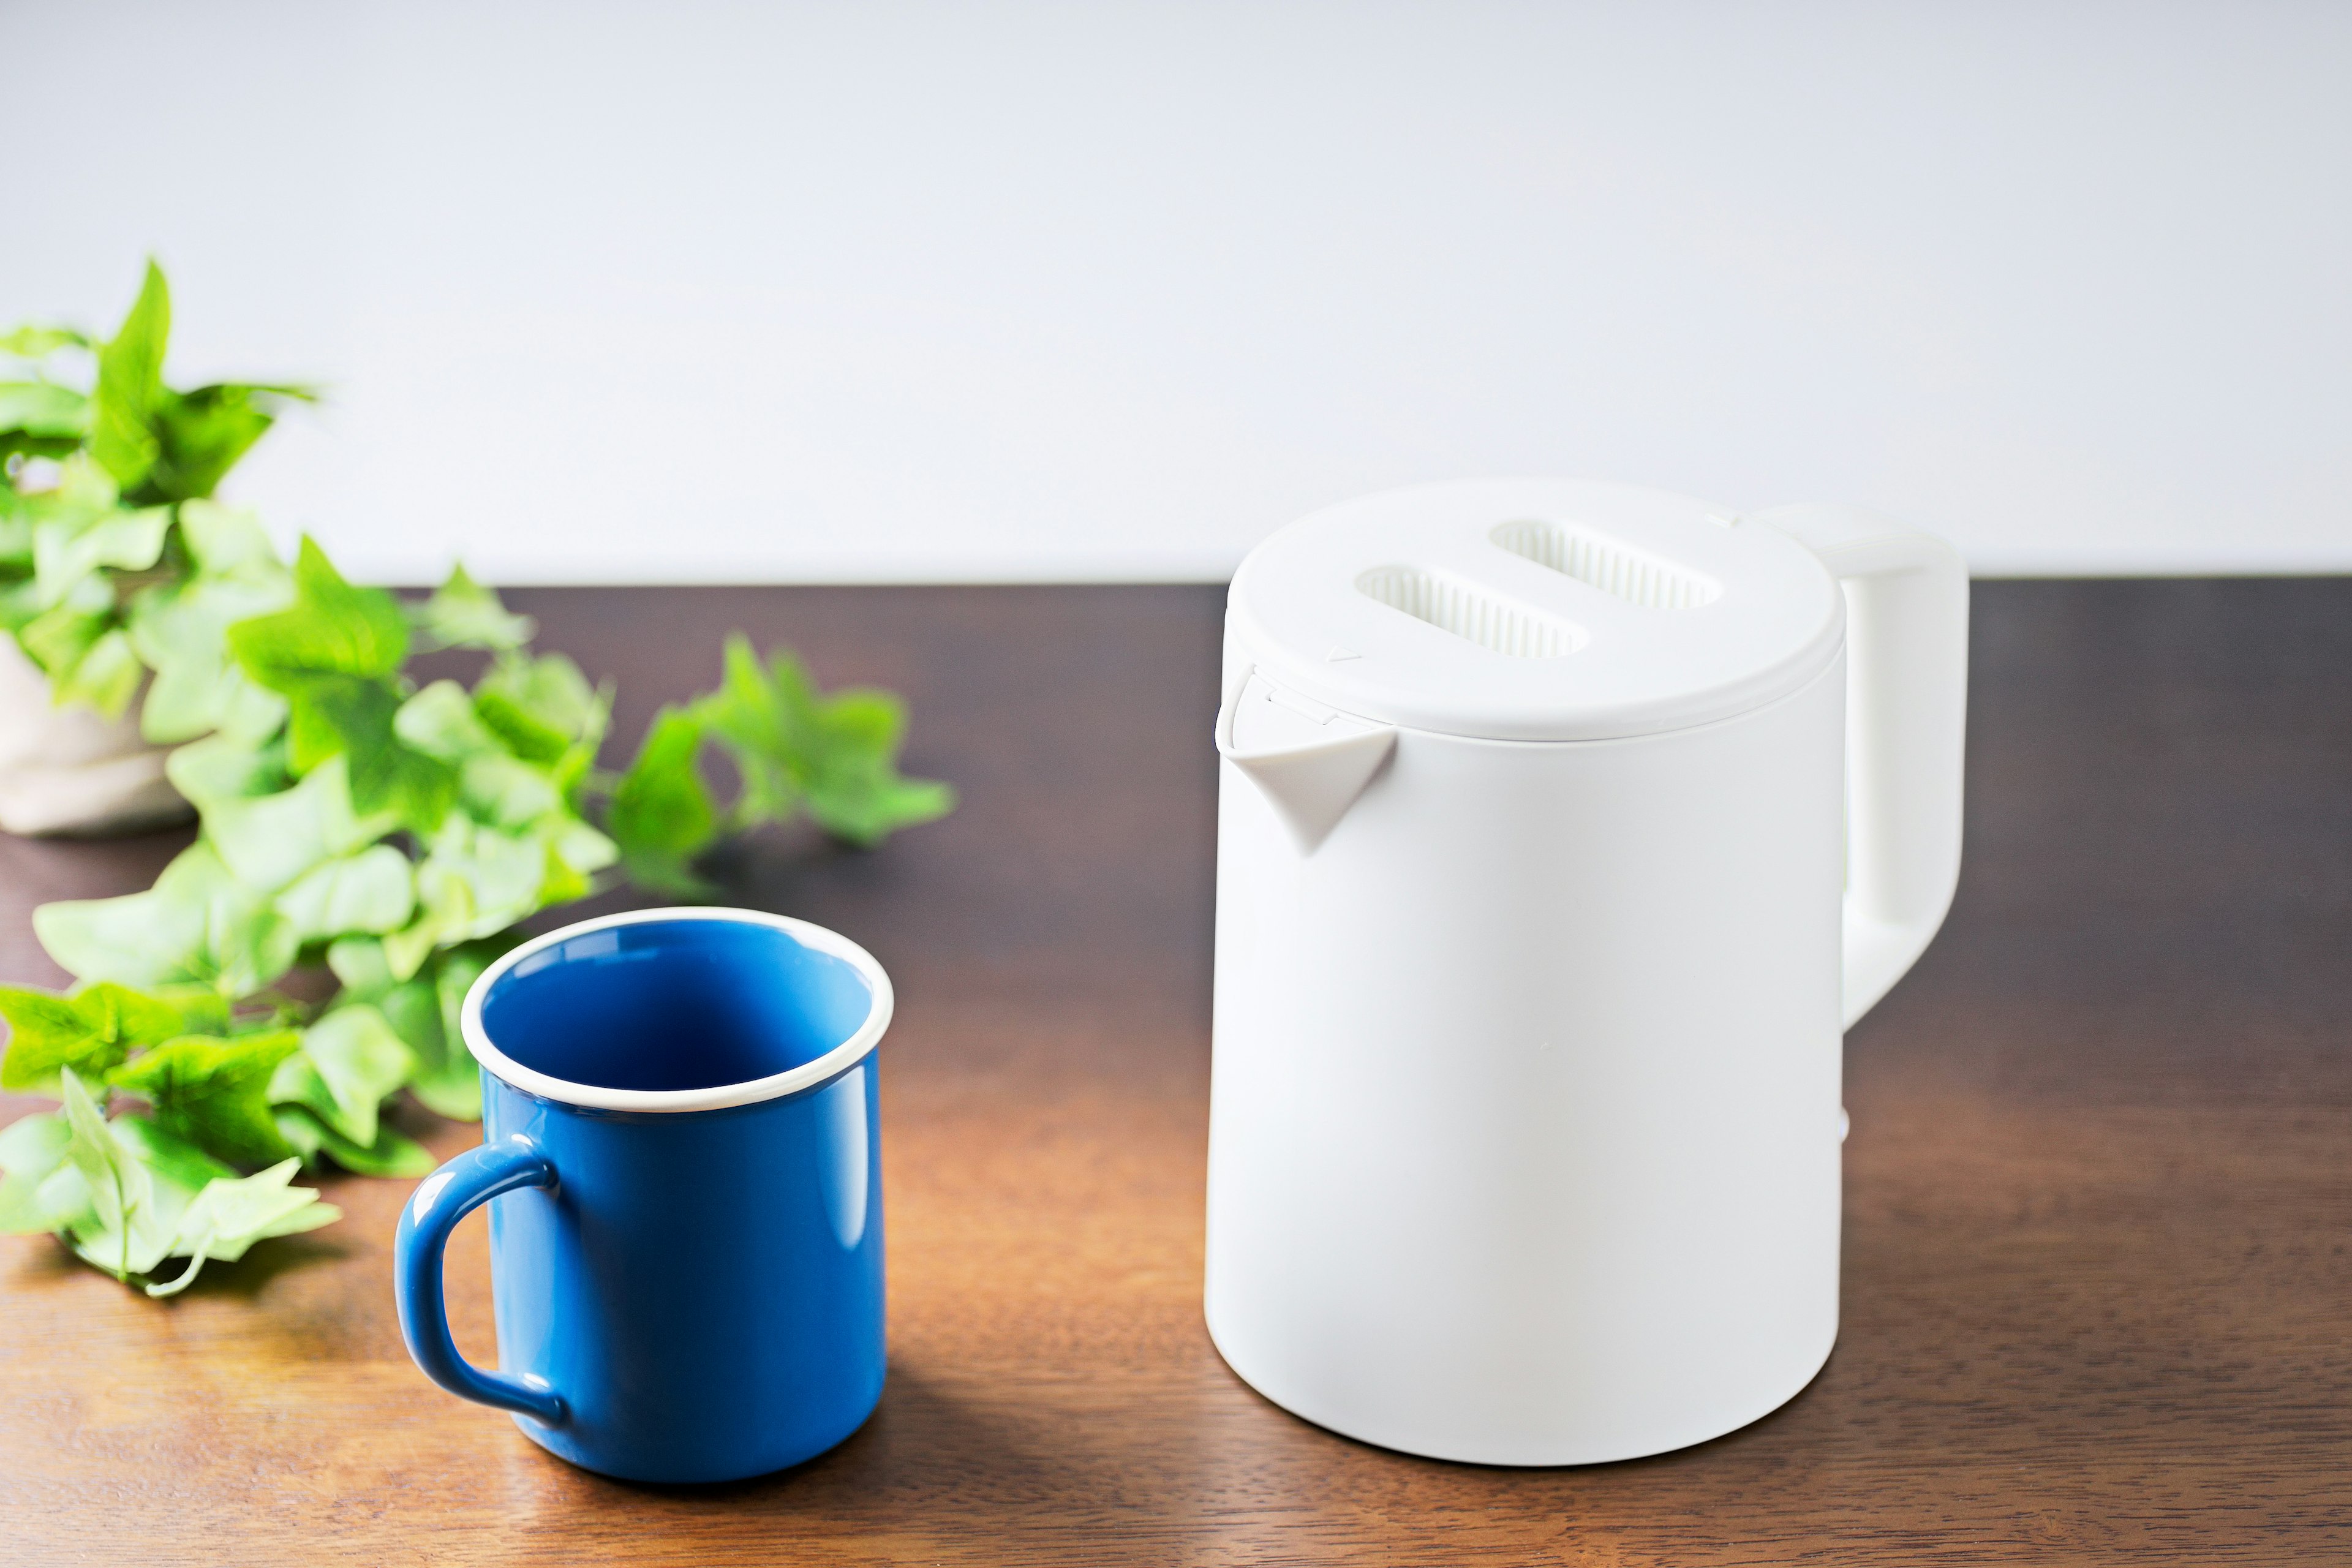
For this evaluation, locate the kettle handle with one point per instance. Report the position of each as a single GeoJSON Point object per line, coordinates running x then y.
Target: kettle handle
{"type": "Point", "coordinates": [1906, 597]}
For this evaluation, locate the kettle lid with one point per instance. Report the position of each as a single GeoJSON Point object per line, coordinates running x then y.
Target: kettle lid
{"type": "Point", "coordinates": [1535, 610]}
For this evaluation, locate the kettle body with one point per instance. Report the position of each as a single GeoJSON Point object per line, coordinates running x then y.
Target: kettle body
{"type": "Point", "coordinates": [1525, 1118]}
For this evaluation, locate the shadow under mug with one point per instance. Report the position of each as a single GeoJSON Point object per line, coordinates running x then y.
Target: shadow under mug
{"type": "Point", "coordinates": [681, 1129]}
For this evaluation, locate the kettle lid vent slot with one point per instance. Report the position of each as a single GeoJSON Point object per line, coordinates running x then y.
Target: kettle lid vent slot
{"type": "Point", "coordinates": [1470, 613]}
{"type": "Point", "coordinates": [1453, 609]}
{"type": "Point", "coordinates": [1599, 561]}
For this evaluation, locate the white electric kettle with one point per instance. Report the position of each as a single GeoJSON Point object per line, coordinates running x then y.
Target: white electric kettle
{"type": "Point", "coordinates": [1563, 829]}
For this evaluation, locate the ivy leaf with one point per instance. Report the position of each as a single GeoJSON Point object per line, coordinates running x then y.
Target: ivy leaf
{"type": "Point", "coordinates": [174, 1163]}
{"type": "Point", "coordinates": [499, 871]}
{"type": "Point", "coordinates": [837, 755]}
{"type": "Point", "coordinates": [230, 1214]}
{"type": "Point", "coordinates": [83, 490]}
{"type": "Point", "coordinates": [441, 722]}
{"type": "Point", "coordinates": [129, 380]}
{"type": "Point", "coordinates": [246, 948]}
{"type": "Point", "coordinates": [506, 792]}
{"type": "Point", "coordinates": [129, 1194]}
{"type": "Point", "coordinates": [521, 799]}
{"type": "Point", "coordinates": [125, 1228]}
{"type": "Point", "coordinates": [474, 881]}
{"type": "Point", "coordinates": [39, 342]}
{"type": "Point", "coordinates": [68, 547]}
{"type": "Point", "coordinates": [360, 963]}
{"type": "Point", "coordinates": [40, 1190]}
{"type": "Point", "coordinates": [413, 1008]}
{"type": "Point", "coordinates": [169, 1173]}
{"type": "Point", "coordinates": [56, 637]}
{"type": "Point", "coordinates": [76, 641]}
{"type": "Point", "coordinates": [661, 815]}
{"type": "Point", "coordinates": [424, 1012]}
{"type": "Point", "coordinates": [764, 728]}
{"type": "Point", "coordinates": [575, 853]}
{"type": "Point", "coordinates": [197, 923]}
{"type": "Point", "coordinates": [92, 1030]}
{"type": "Point", "coordinates": [495, 786]}
{"type": "Point", "coordinates": [350, 1061]}
{"type": "Point", "coordinates": [543, 710]}
{"type": "Point", "coordinates": [17, 512]}
{"type": "Point", "coordinates": [461, 613]}
{"type": "Point", "coordinates": [336, 716]}
{"type": "Point", "coordinates": [391, 1155]}
{"type": "Point", "coordinates": [139, 939]}
{"type": "Point", "coordinates": [214, 1092]}
{"type": "Point", "coordinates": [150, 1017]}
{"type": "Point", "coordinates": [41, 419]}
{"type": "Point", "coordinates": [334, 654]}
{"type": "Point", "coordinates": [180, 629]}
{"type": "Point", "coordinates": [43, 408]}
{"type": "Point", "coordinates": [200, 435]}
{"type": "Point", "coordinates": [225, 541]}
{"type": "Point", "coordinates": [222, 769]}
{"type": "Point", "coordinates": [331, 630]}
{"type": "Point", "coordinates": [104, 679]}
{"type": "Point", "coordinates": [355, 719]}
{"type": "Point", "coordinates": [47, 1033]}
{"type": "Point", "coordinates": [405, 951]}
{"type": "Point", "coordinates": [270, 840]}
{"type": "Point", "coordinates": [853, 788]}
{"type": "Point", "coordinates": [373, 891]}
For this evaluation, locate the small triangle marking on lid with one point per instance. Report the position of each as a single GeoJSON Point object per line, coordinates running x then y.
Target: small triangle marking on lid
{"type": "Point", "coordinates": [1339, 655]}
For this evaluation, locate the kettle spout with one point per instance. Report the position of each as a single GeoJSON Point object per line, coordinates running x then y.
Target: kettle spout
{"type": "Point", "coordinates": [1311, 763]}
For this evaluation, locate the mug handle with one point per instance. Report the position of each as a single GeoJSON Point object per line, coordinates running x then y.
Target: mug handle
{"type": "Point", "coordinates": [1906, 716]}
{"type": "Point", "coordinates": [441, 1200]}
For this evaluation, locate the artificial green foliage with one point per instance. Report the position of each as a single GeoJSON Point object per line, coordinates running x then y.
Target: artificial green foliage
{"type": "Point", "coordinates": [130, 384]}
{"type": "Point", "coordinates": [349, 1062]}
{"type": "Point", "coordinates": [92, 1030]}
{"type": "Point", "coordinates": [662, 816]}
{"type": "Point", "coordinates": [461, 613]}
{"type": "Point", "coordinates": [179, 628]}
{"type": "Point", "coordinates": [125, 1195]}
{"type": "Point", "coordinates": [160, 444]}
{"type": "Point", "coordinates": [794, 750]}
{"type": "Point", "coordinates": [353, 825]}
{"type": "Point", "coordinates": [198, 925]}
{"type": "Point", "coordinates": [130, 451]}
{"type": "Point", "coordinates": [335, 655]}
{"type": "Point", "coordinates": [214, 1092]}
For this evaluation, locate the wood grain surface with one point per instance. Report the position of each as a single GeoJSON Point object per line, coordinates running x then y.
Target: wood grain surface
{"type": "Point", "coordinates": [2097, 1287]}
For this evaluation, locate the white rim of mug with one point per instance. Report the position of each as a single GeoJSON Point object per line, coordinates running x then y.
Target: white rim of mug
{"type": "Point", "coordinates": [838, 1060]}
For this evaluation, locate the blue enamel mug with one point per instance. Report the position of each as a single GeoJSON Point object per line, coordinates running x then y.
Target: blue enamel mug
{"type": "Point", "coordinates": [681, 1136]}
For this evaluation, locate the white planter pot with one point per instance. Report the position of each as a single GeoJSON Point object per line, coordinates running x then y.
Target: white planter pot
{"type": "Point", "coordinates": [68, 770]}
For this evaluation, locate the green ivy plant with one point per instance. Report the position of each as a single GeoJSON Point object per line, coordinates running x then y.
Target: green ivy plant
{"type": "Point", "coordinates": [348, 817]}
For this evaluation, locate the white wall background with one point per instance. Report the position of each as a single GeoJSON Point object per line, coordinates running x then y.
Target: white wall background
{"type": "Point", "coordinates": [683, 292]}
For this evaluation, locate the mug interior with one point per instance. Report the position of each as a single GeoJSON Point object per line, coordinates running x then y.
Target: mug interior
{"type": "Point", "coordinates": [674, 1005]}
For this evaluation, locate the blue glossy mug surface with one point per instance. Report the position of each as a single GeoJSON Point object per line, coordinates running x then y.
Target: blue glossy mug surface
{"type": "Point", "coordinates": [682, 1135]}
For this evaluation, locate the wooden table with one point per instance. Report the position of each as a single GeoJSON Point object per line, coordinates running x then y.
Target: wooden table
{"type": "Point", "coordinates": [2097, 1279]}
